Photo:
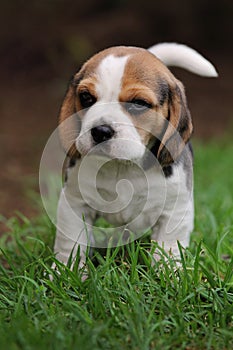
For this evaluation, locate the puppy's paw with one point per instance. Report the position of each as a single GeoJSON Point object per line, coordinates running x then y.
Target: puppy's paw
{"type": "Point", "coordinates": [81, 267]}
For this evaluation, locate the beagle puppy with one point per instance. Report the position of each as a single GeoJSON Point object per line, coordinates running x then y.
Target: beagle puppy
{"type": "Point", "coordinates": [125, 127]}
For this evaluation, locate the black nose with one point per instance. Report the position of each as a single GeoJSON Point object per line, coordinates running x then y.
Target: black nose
{"type": "Point", "coordinates": [102, 133]}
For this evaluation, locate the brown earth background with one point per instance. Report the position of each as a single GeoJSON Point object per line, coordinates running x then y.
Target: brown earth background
{"type": "Point", "coordinates": [44, 42]}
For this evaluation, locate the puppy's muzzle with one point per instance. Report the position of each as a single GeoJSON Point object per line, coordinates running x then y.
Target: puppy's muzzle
{"type": "Point", "coordinates": [102, 133]}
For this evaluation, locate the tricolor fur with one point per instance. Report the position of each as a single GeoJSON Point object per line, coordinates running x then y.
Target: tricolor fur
{"type": "Point", "coordinates": [129, 104]}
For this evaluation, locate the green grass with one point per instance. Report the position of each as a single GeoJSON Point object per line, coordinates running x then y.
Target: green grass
{"type": "Point", "coordinates": [126, 303]}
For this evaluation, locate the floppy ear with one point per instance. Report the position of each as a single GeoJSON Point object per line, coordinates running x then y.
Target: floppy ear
{"type": "Point", "coordinates": [69, 123]}
{"type": "Point", "coordinates": [178, 127]}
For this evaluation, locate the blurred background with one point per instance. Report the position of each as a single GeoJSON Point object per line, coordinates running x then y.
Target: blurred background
{"type": "Point", "coordinates": [44, 42]}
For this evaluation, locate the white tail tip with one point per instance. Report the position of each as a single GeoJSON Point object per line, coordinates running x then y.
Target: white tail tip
{"type": "Point", "coordinates": [179, 55]}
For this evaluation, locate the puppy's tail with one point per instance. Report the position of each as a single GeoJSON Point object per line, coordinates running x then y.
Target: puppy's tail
{"type": "Point", "coordinates": [173, 54]}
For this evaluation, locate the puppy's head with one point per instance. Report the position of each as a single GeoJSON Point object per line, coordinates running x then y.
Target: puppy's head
{"type": "Point", "coordinates": [125, 93]}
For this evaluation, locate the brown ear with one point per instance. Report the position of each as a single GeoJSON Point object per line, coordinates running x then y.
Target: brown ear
{"type": "Point", "coordinates": [178, 127]}
{"type": "Point", "coordinates": [69, 123]}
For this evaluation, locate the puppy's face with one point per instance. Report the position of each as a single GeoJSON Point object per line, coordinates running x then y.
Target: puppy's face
{"type": "Point", "coordinates": [126, 100]}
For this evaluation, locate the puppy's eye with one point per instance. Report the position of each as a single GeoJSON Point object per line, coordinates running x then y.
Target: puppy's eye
{"type": "Point", "coordinates": [138, 106]}
{"type": "Point", "coordinates": [86, 99]}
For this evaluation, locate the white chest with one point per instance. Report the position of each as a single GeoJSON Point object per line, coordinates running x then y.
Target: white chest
{"type": "Point", "coordinates": [124, 193]}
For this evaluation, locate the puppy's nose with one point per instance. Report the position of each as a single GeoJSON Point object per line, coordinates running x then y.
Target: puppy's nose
{"type": "Point", "coordinates": [102, 133]}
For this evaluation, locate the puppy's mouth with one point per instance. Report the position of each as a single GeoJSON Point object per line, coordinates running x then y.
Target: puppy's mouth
{"type": "Point", "coordinates": [107, 141]}
{"type": "Point", "coordinates": [101, 149]}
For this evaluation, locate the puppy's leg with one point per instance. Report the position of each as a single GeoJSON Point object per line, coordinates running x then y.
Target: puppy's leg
{"type": "Point", "coordinates": [73, 229]}
{"type": "Point", "coordinates": [173, 228]}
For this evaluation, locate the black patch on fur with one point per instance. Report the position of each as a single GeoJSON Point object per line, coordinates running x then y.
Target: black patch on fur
{"type": "Point", "coordinates": [183, 125]}
{"type": "Point", "coordinates": [72, 162]}
{"type": "Point", "coordinates": [65, 176]}
{"type": "Point", "coordinates": [154, 149]}
{"type": "Point", "coordinates": [191, 149]}
{"type": "Point", "coordinates": [168, 171]}
{"type": "Point", "coordinates": [150, 161]}
{"type": "Point", "coordinates": [164, 93]}
{"type": "Point", "coordinates": [69, 163]}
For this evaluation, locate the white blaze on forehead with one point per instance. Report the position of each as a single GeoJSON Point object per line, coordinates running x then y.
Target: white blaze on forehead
{"type": "Point", "coordinates": [109, 75]}
{"type": "Point", "coordinates": [126, 142]}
